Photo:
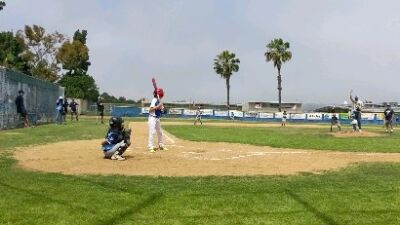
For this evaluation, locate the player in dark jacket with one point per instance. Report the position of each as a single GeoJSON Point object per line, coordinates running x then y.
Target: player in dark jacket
{"type": "Point", "coordinates": [65, 110]}
{"type": "Point", "coordinates": [74, 109]}
{"type": "Point", "coordinates": [100, 108]}
{"type": "Point", "coordinates": [117, 140]}
{"type": "Point", "coordinates": [388, 113]}
{"type": "Point", "coordinates": [21, 110]}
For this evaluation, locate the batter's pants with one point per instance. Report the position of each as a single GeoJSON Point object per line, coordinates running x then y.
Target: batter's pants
{"type": "Point", "coordinates": [154, 126]}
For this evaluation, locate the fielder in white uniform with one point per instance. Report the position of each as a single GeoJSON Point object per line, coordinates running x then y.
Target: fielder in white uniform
{"type": "Point", "coordinates": [155, 112]}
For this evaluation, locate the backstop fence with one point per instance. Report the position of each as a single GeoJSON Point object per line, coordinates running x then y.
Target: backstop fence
{"type": "Point", "coordinates": [40, 98]}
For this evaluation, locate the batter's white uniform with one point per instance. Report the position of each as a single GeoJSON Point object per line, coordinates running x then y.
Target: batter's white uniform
{"type": "Point", "coordinates": [154, 124]}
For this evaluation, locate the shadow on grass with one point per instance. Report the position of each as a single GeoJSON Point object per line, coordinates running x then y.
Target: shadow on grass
{"type": "Point", "coordinates": [44, 197]}
{"type": "Point", "coordinates": [322, 216]}
{"type": "Point", "coordinates": [128, 213]}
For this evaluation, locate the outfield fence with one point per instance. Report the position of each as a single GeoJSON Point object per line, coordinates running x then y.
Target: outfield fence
{"type": "Point", "coordinates": [40, 97]}
{"type": "Point", "coordinates": [368, 118]}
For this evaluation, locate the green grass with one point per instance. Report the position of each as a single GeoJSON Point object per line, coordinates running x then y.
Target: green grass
{"type": "Point", "coordinates": [289, 137]}
{"type": "Point", "coordinates": [85, 129]}
{"type": "Point", "coordinates": [360, 194]}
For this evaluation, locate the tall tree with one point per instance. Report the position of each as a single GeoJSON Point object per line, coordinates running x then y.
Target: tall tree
{"type": "Point", "coordinates": [42, 49]}
{"type": "Point", "coordinates": [74, 57]}
{"type": "Point", "coordinates": [2, 4]}
{"type": "Point", "coordinates": [224, 65]}
{"type": "Point", "coordinates": [278, 53]}
{"type": "Point", "coordinates": [11, 52]}
{"type": "Point", "coordinates": [80, 86]}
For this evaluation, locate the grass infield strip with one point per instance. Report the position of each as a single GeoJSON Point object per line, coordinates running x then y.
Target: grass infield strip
{"type": "Point", "coordinates": [359, 194]}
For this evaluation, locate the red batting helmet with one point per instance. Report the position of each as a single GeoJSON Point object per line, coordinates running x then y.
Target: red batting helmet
{"type": "Point", "coordinates": [159, 92]}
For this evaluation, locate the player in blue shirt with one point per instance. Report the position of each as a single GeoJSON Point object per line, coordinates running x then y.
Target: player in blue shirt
{"type": "Point", "coordinates": [155, 112]}
{"type": "Point", "coordinates": [117, 140]}
{"type": "Point", "coordinates": [357, 108]}
{"type": "Point", "coordinates": [60, 110]}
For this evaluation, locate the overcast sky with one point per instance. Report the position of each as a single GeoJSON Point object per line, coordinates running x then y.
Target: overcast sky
{"type": "Point", "coordinates": [336, 45]}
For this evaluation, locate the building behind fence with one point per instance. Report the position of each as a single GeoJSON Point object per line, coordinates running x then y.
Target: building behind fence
{"type": "Point", "coordinates": [40, 98]}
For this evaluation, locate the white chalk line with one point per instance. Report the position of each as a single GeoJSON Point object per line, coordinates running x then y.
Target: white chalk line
{"type": "Point", "coordinates": [258, 154]}
{"type": "Point", "coordinates": [168, 138]}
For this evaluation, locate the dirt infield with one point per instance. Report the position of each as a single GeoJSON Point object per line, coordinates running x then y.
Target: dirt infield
{"type": "Point", "coordinates": [186, 158]}
{"type": "Point", "coordinates": [349, 134]}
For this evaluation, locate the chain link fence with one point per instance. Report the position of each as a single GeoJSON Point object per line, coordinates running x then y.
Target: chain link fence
{"type": "Point", "coordinates": [40, 98]}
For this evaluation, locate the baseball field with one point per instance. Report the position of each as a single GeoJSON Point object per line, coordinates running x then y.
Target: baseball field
{"type": "Point", "coordinates": [219, 173]}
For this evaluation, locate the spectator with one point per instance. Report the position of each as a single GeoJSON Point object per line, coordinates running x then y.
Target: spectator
{"type": "Point", "coordinates": [74, 109]}
{"type": "Point", "coordinates": [21, 110]}
{"type": "Point", "coordinates": [100, 109]}
{"type": "Point", "coordinates": [65, 106]}
{"type": "Point", "coordinates": [60, 110]}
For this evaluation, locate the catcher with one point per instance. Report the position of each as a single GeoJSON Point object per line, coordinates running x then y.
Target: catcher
{"type": "Point", "coordinates": [117, 140]}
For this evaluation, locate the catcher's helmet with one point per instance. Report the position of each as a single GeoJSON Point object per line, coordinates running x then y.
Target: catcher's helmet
{"type": "Point", "coordinates": [159, 92]}
{"type": "Point", "coordinates": [116, 122]}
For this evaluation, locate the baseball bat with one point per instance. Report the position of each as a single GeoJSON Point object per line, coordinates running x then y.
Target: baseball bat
{"type": "Point", "coordinates": [155, 89]}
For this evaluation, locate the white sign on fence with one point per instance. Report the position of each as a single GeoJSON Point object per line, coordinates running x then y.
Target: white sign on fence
{"type": "Point", "coordinates": [236, 113]}
{"type": "Point", "coordinates": [314, 116]}
{"type": "Point", "coordinates": [189, 112]}
{"type": "Point", "coordinates": [266, 115]}
{"type": "Point", "coordinates": [279, 115]}
{"type": "Point", "coordinates": [367, 116]}
{"type": "Point", "coordinates": [220, 113]}
{"type": "Point", "coordinates": [298, 116]}
{"type": "Point", "coordinates": [175, 111]}
{"type": "Point", "coordinates": [380, 116]}
{"type": "Point", "coordinates": [207, 112]}
{"type": "Point", "coordinates": [251, 114]}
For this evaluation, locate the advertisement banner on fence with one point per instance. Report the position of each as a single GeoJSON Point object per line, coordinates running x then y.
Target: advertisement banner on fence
{"type": "Point", "coordinates": [278, 115]}
{"type": "Point", "coordinates": [251, 114]}
{"type": "Point", "coordinates": [314, 116]}
{"type": "Point", "coordinates": [207, 112]}
{"type": "Point", "coordinates": [328, 116]}
{"type": "Point", "coordinates": [266, 115]}
{"type": "Point", "coordinates": [220, 113]}
{"type": "Point", "coordinates": [298, 116]}
{"type": "Point", "coordinates": [175, 111]}
{"type": "Point", "coordinates": [189, 112]}
{"type": "Point", "coordinates": [367, 116]}
{"type": "Point", "coordinates": [380, 116]}
{"type": "Point", "coordinates": [145, 110]}
{"type": "Point", "coordinates": [344, 116]}
{"type": "Point", "coordinates": [236, 113]}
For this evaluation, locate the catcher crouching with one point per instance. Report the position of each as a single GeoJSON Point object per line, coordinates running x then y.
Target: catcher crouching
{"type": "Point", "coordinates": [117, 140]}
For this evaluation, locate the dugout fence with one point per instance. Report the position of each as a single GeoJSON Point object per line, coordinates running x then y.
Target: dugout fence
{"type": "Point", "coordinates": [40, 97]}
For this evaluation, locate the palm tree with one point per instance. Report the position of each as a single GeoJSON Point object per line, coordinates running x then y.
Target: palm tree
{"type": "Point", "coordinates": [278, 53]}
{"type": "Point", "coordinates": [225, 64]}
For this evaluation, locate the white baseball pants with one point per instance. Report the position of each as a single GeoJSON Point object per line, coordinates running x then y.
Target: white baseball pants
{"type": "Point", "coordinates": [154, 126]}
